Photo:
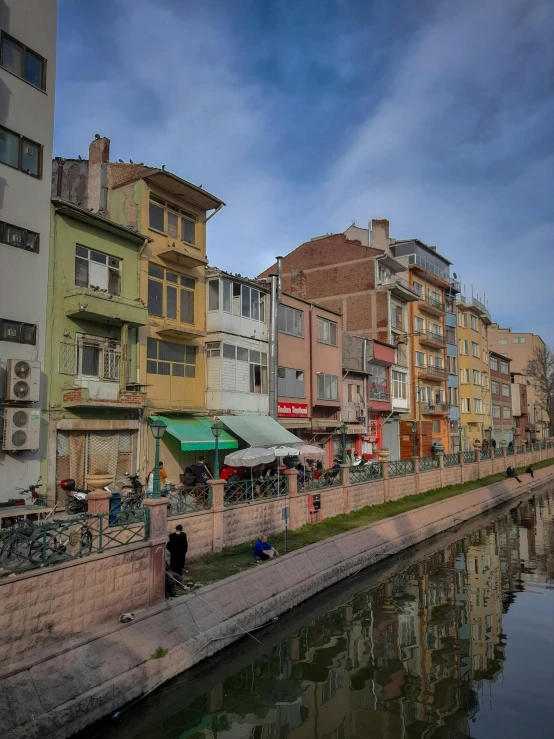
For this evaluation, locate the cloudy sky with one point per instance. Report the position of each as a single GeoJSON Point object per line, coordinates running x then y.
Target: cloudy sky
{"type": "Point", "coordinates": [307, 115]}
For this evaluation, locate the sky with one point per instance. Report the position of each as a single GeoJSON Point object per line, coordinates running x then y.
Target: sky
{"type": "Point", "coordinates": [307, 115]}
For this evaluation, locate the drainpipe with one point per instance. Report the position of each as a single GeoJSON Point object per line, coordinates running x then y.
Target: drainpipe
{"type": "Point", "coordinates": [280, 279]}
{"type": "Point", "coordinates": [273, 358]}
{"type": "Point", "coordinates": [364, 361]}
{"type": "Point", "coordinates": [60, 176]}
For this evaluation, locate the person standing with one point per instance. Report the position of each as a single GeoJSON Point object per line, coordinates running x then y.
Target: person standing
{"type": "Point", "coordinates": [177, 547]}
{"type": "Point", "coordinates": [201, 472]}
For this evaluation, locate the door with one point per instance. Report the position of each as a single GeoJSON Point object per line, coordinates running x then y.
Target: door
{"type": "Point", "coordinates": [391, 439]}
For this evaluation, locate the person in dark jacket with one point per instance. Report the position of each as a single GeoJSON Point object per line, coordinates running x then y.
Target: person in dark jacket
{"type": "Point", "coordinates": [529, 471]}
{"type": "Point", "coordinates": [201, 472]}
{"type": "Point", "coordinates": [177, 547]}
{"type": "Point", "coordinates": [511, 473]}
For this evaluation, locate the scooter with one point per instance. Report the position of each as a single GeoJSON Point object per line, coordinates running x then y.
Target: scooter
{"type": "Point", "coordinates": [76, 499]}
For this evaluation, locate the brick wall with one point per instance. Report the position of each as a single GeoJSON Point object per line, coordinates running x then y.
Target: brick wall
{"type": "Point", "coordinates": [399, 487]}
{"type": "Point", "coordinates": [429, 480]}
{"type": "Point", "coordinates": [366, 493]}
{"type": "Point", "coordinates": [199, 530]}
{"type": "Point", "coordinates": [452, 476]}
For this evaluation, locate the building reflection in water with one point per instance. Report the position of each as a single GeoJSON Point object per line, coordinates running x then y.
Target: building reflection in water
{"type": "Point", "coordinates": [406, 660]}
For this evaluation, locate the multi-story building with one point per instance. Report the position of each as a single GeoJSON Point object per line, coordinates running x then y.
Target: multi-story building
{"type": "Point", "coordinates": [452, 383]}
{"type": "Point", "coordinates": [173, 213]}
{"type": "Point", "coordinates": [356, 274]}
{"type": "Point", "coordinates": [94, 313]}
{"type": "Point", "coordinates": [501, 398]}
{"type": "Point", "coordinates": [520, 412]}
{"type": "Point", "coordinates": [522, 348]}
{"type": "Point", "coordinates": [429, 278]}
{"type": "Point", "coordinates": [27, 79]}
{"type": "Point", "coordinates": [473, 360]}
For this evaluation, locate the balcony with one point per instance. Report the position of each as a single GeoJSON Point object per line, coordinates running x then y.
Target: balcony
{"type": "Point", "coordinates": [432, 339]}
{"type": "Point", "coordinates": [182, 256]}
{"type": "Point", "coordinates": [431, 305]}
{"type": "Point", "coordinates": [478, 307]}
{"type": "Point", "coordinates": [377, 393]}
{"type": "Point", "coordinates": [100, 307]}
{"type": "Point", "coordinates": [432, 273]}
{"type": "Point", "coordinates": [113, 397]}
{"type": "Point", "coordinates": [168, 329]}
{"type": "Point", "coordinates": [399, 287]}
{"type": "Point", "coordinates": [434, 409]}
{"type": "Point", "coordinates": [430, 372]}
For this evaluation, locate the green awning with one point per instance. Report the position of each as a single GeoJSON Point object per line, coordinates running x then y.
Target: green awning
{"type": "Point", "coordinates": [195, 434]}
{"type": "Point", "coordinates": [261, 431]}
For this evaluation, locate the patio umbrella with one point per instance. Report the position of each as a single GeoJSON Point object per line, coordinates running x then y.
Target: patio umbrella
{"type": "Point", "coordinates": [308, 450]}
{"type": "Point", "coordinates": [285, 451]}
{"type": "Point", "coordinates": [250, 457]}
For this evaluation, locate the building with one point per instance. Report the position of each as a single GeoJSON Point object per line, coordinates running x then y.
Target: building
{"type": "Point", "coordinates": [94, 314]}
{"type": "Point", "coordinates": [501, 398]}
{"type": "Point", "coordinates": [473, 359]}
{"type": "Point", "coordinates": [452, 383]}
{"type": "Point", "coordinates": [173, 213]}
{"type": "Point", "coordinates": [27, 82]}
{"type": "Point", "coordinates": [428, 275]}
{"type": "Point", "coordinates": [521, 348]}
{"type": "Point", "coordinates": [356, 274]}
{"type": "Point", "coordinates": [520, 411]}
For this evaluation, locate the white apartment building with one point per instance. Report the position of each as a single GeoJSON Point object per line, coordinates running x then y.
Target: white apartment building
{"type": "Point", "coordinates": [27, 79]}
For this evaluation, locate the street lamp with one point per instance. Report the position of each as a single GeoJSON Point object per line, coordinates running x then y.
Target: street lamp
{"type": "Point", "coordinates": [460, 429]}
{"type": "Point", "coordinates": [343, 429]}
{"type": "Point", "coordinates": [414, 432]}
{"type": "Point", "coordinates": [158, 428]}
{"type": "Point", "coordinates": [217, 428]}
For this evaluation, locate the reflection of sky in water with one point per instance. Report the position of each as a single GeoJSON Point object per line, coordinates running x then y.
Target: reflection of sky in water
{"type": "Point", "coordinates": [459, 644]}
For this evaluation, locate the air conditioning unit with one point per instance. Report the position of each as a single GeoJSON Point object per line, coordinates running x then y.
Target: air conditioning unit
{"type": "Point", "coordinates": [21, 429]}
{"type": "Point", "coordinates": [23, 380]}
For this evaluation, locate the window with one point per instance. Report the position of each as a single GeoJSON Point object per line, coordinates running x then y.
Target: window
{"type": "Point", "coordinates": [354, 393]}
{"type": "Point", "coordinates": [170, 295]}
{"type": "Point", "coordinates": [98, 357]}
{"type": "Point", "coordinates": [326, 331]}
{"type": "Point", "coordinates": [378, 382]}
{"type": "Point", "coordinates": [462, 319]}
{"type": "Point", "coordinates": [166, 358]}
{"type": "Point", "coordinates": [327, 387]}
{"type": "Point", "coordinates": [495, 411]}
{"type": "Point", "coordinates": [21, 61]}
{"type": "Point", "coordinates": [290, 382]}
{"type": "Point", "coordinates": [475, 349]}
{"type": "Point", "coordinates": [399, 385]}
{"type": "Point", "coordinates": [485, 355]}
{"type": "Point", "coordinates": [504, 368]}
{"type": "Point", "coordinates": [243, 300]}
{"type": "Point", "coordinates": [451, 365]}
{"type": "Point", "coordinates": [476, 377]}
{"type": "Point", "coordinates": [506, 411]}
{"type": "Point", "coordinates": [477, 405]}
{"type": "Point", "coordinates": [20, 153]}
{"type": "Point", "coordinates": [419, 324]}
{"type": "Point", "coordinates": [474, 323]}
{"type": "Point", "coordinates": [19, 333]}
{"type": "Point", "coordinates": [495, 387]}
{"type": "Point", "coordinates": [420, 359]}
{"type": "Point", "coordinates": [418, 288]}
{"type": "Point", "coordinates": [502, 342]}
{"type": "Point", "coordinates": [453, 396]}
{"type": "Point", "coordinates": [519, 339]}
{"type": "Point", "coordinates": [397, 317]}
{"type": "Point", "coordinates": [464, 346]}
{"type": "Point", "coordinates": [21, 238]}
{"type": "Point", "coordinates": [494, 364]}
{"type": "Point", "coordinates": [172, 220]}
{"type": "Point", "coordinates": [466, 405]}
{"type": "Point", "coordinates": [290, 320]}
{"type": "Point", "coordinates": [97, 270]}
{"type": "Point", "coordinates": [505, 390]}
{"type": "Point", "coordinates": [213, 295]}
{"type": "Point", "coordinates": [213, 349]}
{"type": "Point", "coordinates": [436, 427]}
{"type": "Point", "coordinates": [450, 335]}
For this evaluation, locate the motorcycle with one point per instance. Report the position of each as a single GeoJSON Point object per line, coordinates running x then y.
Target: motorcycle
{"type": "Point", "coordinates": [132, 491]}
{"type": "Point", "coordinates": [76, 499]}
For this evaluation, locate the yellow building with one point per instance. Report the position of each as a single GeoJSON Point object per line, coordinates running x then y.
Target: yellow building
{"type": "Point", "coordinates": [473, 363]}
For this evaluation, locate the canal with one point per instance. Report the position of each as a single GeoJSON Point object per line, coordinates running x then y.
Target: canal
{"type": "Point", "coordinates": [453, 639]}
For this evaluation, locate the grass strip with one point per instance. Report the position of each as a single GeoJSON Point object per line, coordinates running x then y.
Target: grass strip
{"type": "Point", "coordinates": [216, 566]}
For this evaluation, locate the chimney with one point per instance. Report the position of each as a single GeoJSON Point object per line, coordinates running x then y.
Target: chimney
{"type": "Point", "coordinates": [98, 158]}
{"type": "Point", "coordinates": [379, 238]}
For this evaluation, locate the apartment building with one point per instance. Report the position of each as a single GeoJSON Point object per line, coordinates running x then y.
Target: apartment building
{"type": "Point", "coordinates": [356, 274]}
{"type": "Point", "coordinates": [27, 80]}
{"type": "Point", "coordinates": [428, 274]}
{"type": "Point", "coordinates": [473, 358]}
{"type": "Point", "coordinates": [521, 348]}
{"type": "Point", "coordinates": [452, 383]}
{"type": "Point", "coordinates": [173, 213]}
{"type": "Point", "coordinates": [501, 398]}
{"type": "Point", "coordinates": [520, 409]}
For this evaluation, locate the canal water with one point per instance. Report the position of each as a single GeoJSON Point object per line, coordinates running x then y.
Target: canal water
{"type": "Point", "coordinates": [452, 641]}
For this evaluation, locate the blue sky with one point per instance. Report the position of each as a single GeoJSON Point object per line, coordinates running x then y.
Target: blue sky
{"type": "Point", "coordinates": [305, 116]}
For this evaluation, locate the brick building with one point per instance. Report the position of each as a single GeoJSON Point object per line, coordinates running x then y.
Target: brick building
{"type": "Point", "coordinates": [501, 398]}
{"type": "Point", "coordinates": [520, 409]}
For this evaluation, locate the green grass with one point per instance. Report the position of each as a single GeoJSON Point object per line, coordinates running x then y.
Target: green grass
{"type": "Point", "coordinates": [159, 653]}
{"type": "Point", "coordinates": [231, 560]}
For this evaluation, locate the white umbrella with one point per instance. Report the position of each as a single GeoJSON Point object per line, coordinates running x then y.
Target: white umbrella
{"type": "Point", "coordinates": [285, 451]}
{"type": "Point", "coordinates": [308, 450]}
{"type": "Point", "coordinates": [251, 457]}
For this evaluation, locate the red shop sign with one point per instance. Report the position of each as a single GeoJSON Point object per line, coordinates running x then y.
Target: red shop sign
{"type": "Point", "coordinates": [292, 410]}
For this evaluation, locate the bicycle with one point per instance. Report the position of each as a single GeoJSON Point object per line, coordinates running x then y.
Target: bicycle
{"type": "Point", "coordinates": [15, 545]}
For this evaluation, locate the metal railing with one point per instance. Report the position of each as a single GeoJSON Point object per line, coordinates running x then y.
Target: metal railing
{"type": "Point", "coordinates": [188, 499]}
{"type": "Point", "coordinates": [432, 302]}
{"type": "Point", "coordinates": [438, 372]}
{"type": "Point", "coordinates": [328, 479]}
{"type": "Point", "coordinates": [28, 545]}
{"type": "Point", "coordinates": [376, 393]}
{"type": "Point", "coordinates": [366, 473]}
{"type": "Point", "coordinates": [509, 451]}
{"type": "Point", "coordinates": [485, 454]}
{"type": "Point", "coordinates": [469, 457]}
{"type": "Point", "coordinates": [432, 336]}
{"type": "Point", "coordinates": [498, 452]}
{"type": "Point", "coordinates": [401, 467]}
{"type": "Point", "coordinates": [390, 279]}
{"type": "Point", "coordinates": [428, 463]}
{"type": "Point", "coordinates": [451, 460]}
{"type": "Point", "coordinates": [246, 491]}
{"type": "Point", "coordinates": [434, 408]}
{"type": "Point", "coordinates": [426, 264]}
{"type": "Point", "coordinates": [520, 449]}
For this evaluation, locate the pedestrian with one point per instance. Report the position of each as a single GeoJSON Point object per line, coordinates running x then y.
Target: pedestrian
{"type": "Point", "coordinates": [511, 473]}
{"type": "Point", "coordinates": [263, 549]}
{"type": "Point", "coordinates": [529, 471]}
{"type": "Point", "coordinates": [511, 446]}
{"type": "Point", "coordinates": [201, 472]}
{"type": "Point", "coordinates": [177, 547]}
{"type": "Point", "coordinates": [163, 474]}
{"type": "Point", "coordinates": [493, 443]}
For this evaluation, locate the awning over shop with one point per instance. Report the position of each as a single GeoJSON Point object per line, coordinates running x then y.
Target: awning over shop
{"type": "Point", "coordinates": [195, 434]}
{"type": "Point", "coordinates": [295, 423]}
{"type": "Point", "coordinates": [260, 430]}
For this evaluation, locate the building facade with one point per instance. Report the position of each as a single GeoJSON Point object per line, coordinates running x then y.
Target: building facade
{"type": "Point", "coordinates": [27, 82]}
{"type": "Point", "coordinates": [501, 398]}
{"type": "Point", "coordinates": [452, 383]}
{"type": "Point", "coordinates": [521, 348]}
{"type": "Point", "coordinates": [473, 358]}
{"type": "Point", "coordinates": [520, 409]}
{"type": "Point", "coordinates": [94, 313]}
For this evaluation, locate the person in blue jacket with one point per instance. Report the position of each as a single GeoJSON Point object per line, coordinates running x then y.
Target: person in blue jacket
{"type": "Point", "coordinates": [263, 549]}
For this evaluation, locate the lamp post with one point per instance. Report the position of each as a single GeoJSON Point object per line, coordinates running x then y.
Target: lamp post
{"type": "Point", "coordinates": [414, 432]}
{"type": "Point", "coordinates": [217, 428]}
{"type": "Point", "coordinates": [460, 429]}
{"type": "Point", "coordinates": [158, 428]}
{"type": "Point", "coordinates": [343, 429]}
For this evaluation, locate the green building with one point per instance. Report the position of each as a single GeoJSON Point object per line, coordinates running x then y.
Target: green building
{"type": "Point", "coordinates": [94, 402]}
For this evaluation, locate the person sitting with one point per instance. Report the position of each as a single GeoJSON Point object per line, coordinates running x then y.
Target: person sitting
{"type": "Point", "coordinates": [201, 472]}
{"type": "Point", "coordinates": [511, 473]}
{"type": "Point", "coordinates": [263, 549]}
{"type": "Point", "coordinates": [529, 471]}
{"type": "Point", "coordinates": [188, 477]}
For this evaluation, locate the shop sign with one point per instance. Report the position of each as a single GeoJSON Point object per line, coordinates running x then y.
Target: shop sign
{"type": "Point", "coordinates": [292, 410]}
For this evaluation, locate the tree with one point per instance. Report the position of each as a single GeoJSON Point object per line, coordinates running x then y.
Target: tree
{"type": "Point", "coordinates": [541, 371]}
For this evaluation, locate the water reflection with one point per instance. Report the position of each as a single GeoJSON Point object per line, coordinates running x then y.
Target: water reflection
{"type": "Point", "coordinates": [405, 660]}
